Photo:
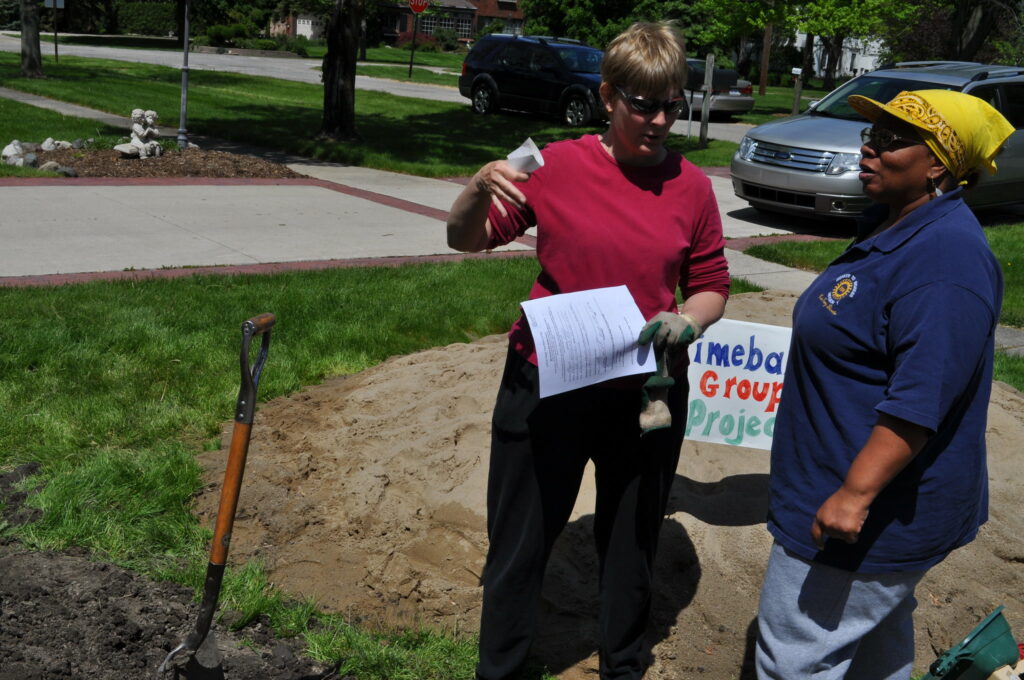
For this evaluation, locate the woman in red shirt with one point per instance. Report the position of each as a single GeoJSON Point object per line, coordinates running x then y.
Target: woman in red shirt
{"type": "Point", "coordinates": [616, 208]}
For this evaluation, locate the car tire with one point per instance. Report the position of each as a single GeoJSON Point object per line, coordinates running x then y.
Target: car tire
{"type": "Point", "coordinates": [576, 111]}
{"type": "Point", "coordinates": [484, 99]}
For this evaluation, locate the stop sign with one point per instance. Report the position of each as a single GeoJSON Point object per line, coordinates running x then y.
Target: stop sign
{"type": "Point", "coordinates": [418, 5]}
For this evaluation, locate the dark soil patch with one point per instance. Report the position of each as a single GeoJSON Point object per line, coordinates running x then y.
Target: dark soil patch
{"type": "Point", "coordinates": [173, 163]}
{"type": "Point", "coordinates": [64, 615]}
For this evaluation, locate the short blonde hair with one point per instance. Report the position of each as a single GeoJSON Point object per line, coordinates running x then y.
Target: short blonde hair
{"type": "Point", "coordinates": [647, 58]}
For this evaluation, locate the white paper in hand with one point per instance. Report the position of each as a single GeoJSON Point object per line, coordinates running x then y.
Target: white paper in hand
{"type": "Point", "coordinates": [527, 157]}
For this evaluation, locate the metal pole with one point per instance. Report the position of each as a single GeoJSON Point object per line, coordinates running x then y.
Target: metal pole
{"type": "Point", "coordinates": [56, 58]}
{"type": "Point", "coordinates": [798, 82]}
{"type": "Point", "coordinates": [705, 104]}
{"type": "Point", "coordinates": [415, 30]}
{"type": "Point", "coordinates": [182, 131]}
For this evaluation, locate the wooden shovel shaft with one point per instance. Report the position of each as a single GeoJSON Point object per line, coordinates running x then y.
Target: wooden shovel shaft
{"type": "Point", "coordinates": [229, 493]}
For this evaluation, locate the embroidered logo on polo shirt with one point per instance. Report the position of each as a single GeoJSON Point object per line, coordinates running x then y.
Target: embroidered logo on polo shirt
{"type": "Point", "coordinates": [844, 286]}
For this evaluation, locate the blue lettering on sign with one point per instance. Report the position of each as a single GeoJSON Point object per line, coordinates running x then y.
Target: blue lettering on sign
{"type": "Point", "coordinates": [749, 357]}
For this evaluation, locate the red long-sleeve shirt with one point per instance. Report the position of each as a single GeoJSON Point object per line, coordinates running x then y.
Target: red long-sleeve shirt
{"type": "Point", "coordinates": [601, 223]}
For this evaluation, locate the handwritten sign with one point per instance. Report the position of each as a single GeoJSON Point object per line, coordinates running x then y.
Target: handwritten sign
{"type": "Point", "coordinates": [736, 371]}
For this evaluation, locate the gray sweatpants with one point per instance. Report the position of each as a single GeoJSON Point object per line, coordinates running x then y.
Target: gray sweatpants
{"type": "Point", "coordinates": [824, 623]}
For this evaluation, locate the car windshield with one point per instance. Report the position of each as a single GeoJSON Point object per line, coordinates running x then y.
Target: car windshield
{"type": "Point", "coordinates": [880, 89]}
{"type": "Point", "coordinates": [581, 61]}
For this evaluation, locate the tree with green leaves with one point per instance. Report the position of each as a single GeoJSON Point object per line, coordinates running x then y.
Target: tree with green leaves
{"type": "Point", "coordinates": [31, 54]}
{"type": "Point", "coordinates": [836, 21]}
{"type": "Point", "coordinates": [965, 30]}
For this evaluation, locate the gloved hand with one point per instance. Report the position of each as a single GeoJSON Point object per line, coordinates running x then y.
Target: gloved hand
{"type": "Point", "coordinates": [666, 329]}
{"type": "Point", "coordinates": [670, 333]}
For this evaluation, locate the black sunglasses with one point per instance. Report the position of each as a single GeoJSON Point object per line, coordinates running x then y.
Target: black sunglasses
{"type": "Point", "coordinates": [649, 107]}
{"type": "Point", "coordinates": [882, 140]}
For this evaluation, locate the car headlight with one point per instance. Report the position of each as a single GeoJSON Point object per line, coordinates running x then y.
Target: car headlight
{"type": "Point", "coordinates": [747, 148]}
{"type": "Point", "coordinates": [843, 162]}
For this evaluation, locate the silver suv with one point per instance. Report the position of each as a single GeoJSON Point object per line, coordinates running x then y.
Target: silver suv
{"type": "Point", "coordinates": [808, 164]}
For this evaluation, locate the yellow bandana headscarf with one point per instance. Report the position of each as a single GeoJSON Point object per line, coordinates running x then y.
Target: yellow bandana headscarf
{"type": "Point", "coordinates": [963, 131]}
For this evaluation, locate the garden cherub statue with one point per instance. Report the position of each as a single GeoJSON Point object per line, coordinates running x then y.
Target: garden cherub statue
{"type": "Point", "coordinates": [145, 133]}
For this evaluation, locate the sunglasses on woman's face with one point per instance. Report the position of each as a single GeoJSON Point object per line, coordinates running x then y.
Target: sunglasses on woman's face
{"type": "Point", "coordinates": [648, 107]}
{"type": "Point", "coordinates": [881, 139]}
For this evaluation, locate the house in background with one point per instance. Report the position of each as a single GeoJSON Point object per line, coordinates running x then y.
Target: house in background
{"type": "Point", "coordinates": [465, 17]}
{"type": "Point", "coordinates": [858, 56]}
{"type": "Point", "coordinates": [293, 25]}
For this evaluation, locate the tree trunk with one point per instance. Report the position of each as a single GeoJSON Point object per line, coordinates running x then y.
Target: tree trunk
{"type": "Point", "coordinates": [339, 72]}
{"type": "Point", "coordinates": [973, 23]}
{"type": "Point", "coordinates": [31, 57]}
{"type": "Point", "coordinates": [766, 55]}
{"type": "Point", "coordinates": [808, 65]}
{"type": "Point", "coordinates": [833, 53]}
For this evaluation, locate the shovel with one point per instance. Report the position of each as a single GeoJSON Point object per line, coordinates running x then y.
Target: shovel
{"type": "Point", "coordinates": [200, 638]}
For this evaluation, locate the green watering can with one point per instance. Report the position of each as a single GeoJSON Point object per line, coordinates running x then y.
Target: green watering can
{"type": "Point", "coordinates": [988, 647]}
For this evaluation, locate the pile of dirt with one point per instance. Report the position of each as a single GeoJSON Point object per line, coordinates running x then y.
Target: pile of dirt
{"type": "Point", "coordinates": [367, 493]}
{"type": "Point", "coordinates": [188, 163]}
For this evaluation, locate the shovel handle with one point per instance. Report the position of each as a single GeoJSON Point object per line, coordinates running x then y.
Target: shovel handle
{"type": "Point", "coordinates": [258, 325]}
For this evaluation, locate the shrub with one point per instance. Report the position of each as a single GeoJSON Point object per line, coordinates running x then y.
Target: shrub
{"type": "Point", "coordinates": [446, 39]}
{"type": "Point", "coordinates": [258, 44]}
{"type": "Point", "coordinates": [146, 18]}
{"type": "Point", "coordinates": [424, 43]}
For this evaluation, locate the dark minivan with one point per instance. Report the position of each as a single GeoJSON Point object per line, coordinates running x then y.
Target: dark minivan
{"type": "Point", "coordinates": [554, 76]}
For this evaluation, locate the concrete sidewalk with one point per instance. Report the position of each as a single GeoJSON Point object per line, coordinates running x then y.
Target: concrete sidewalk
{"type": "Point", "coordinates": [343, 212]}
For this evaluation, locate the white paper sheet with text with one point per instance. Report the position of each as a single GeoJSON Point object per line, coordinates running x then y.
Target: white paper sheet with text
{"type": "Point", "coordinates": [587, 337]}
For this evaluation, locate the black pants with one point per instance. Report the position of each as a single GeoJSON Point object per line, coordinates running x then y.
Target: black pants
{"type": "Point", "coordinates": [538, 452]}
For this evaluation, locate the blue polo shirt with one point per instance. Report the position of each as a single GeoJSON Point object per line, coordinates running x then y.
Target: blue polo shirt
{"type": "Point", "coordinates": [902, 323]}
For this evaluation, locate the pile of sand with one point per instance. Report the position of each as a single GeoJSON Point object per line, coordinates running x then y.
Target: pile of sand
{"type": "Point", "coordinates": [367, 493]}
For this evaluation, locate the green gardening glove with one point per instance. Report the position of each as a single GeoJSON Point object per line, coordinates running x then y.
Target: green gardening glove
{"type": "Point", "coordinates": [666, 329]}
{"type": "Point", "coordinates": [668, 333]}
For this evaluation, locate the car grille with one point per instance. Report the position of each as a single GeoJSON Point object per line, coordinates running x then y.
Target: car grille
{"type": "Point", "coordinates": [793, 158]}
{"type": "Point", "coordinates": [752, 191]}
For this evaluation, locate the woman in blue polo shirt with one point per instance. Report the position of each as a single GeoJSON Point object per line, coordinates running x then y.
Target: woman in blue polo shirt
{"type": "Point", "coordinates": [878, 462]}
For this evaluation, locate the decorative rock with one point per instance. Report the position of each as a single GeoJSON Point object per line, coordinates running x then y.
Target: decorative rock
{"type": "Point", "coordinates": [50, 166]}
{"type": "Point", "coordinates": [62, 145]}
{"type": "Point", "coordinates": [48, 144]}
{"type": "Point", "coordinates": [77, 144]}
{"type": "Point", "coordinates": [30, 147]}
{"type": "Point", "coordinates": [12, 149]}
{"type": "Point", "coordinates": [127, 150]}
{"type": "Point", "coordinates": [30, 160]}
{"type": "Point", "coordinates": [66, 171]}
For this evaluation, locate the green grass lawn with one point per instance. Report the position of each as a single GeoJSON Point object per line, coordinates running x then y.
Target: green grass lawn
{"type": "Point", "coordinates": [450, 60]}
{"type": "Point", "coordinates": [419, 75]}
{"type": "Point", "coordinates": [777, 102]}
{"type": "Point", "coordinates": [415, 136]}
